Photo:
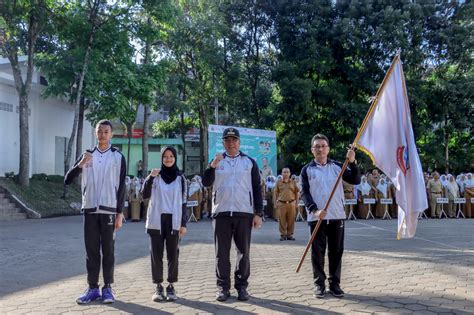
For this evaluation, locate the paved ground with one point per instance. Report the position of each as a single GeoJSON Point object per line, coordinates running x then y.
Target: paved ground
{"type": "Point", "coordinates": [42, 270]}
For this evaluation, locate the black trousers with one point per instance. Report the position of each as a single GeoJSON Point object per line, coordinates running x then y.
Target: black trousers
{"type": "Point", "coordinates": [330, 233]}
{"type": "Point", "coordinates": [99, 235]}
{"type": "Point", "coordinates": [240, 229]}
{"type": "Point", "coordinates": [158, 239]}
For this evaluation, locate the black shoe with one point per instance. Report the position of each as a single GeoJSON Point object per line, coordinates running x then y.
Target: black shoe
{"type": "Point", "coordinates": [222, 295]}
{"type": "Point", "coordinates": [336, 290]}
{"type": "Point", "coordinates": [170, 293]}
{"type": "Point", "coordinates": [243, 295]}
{"type": "Point", "coordinates": [283, 238]}
{"type": "Point", "coordinates": [319, 291]}
{"type": "Point", "coordinates": [290, 238]}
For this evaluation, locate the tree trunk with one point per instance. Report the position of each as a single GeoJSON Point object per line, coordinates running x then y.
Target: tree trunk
{"type": "Point", "coordinates": [24, 171]}
{"type": "Point", "coordinates": [67, 158]}
{"type": "Point", "coordinates": [446, 145]}
{"type": "Point", "coordinates": [93, 16]}
{"type": "Point", "coordinates": [129, 136]}
{"type": "Point", "coordinates": [183, 138]}
{"type": "Point", "coordinates": [146, 110]}
{"type": "Point", "coordinates": [23, 90]}
{"type": "Point", "coordinates": [203, 124]}
{"type": "Point", "coordinates": [80, 127]}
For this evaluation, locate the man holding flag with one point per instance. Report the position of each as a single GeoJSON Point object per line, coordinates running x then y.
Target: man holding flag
{"type": "Point", "coordinates": [396, 155]}
{"type": "Point", "coordinates": [318, 178]}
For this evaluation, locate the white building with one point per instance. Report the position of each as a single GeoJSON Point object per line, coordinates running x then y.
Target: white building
{"type": "Point", "coordinates": [50, 125]}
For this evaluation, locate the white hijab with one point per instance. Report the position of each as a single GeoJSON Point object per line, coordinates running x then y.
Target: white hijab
{"type": "Point", "coordinates": [443, 180]}
{"type": "Point", "coordinates": [452, 186]}
{"type": "Point", "coordinates": [194, 187]}
{"type": "Point", "coordinates": [382, 187]}
{"type": "Point", "coordinates": [138, 186]}
{"type": "Point", "coordinates": [364, 187]}
{"type": "Point", "coordinates": [469, 181]}
{"type": "Point", "coordinates": [270, 183]}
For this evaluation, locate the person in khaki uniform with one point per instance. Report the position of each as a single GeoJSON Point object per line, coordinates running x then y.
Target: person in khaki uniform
{"type": "Point", "coordinates": [435, 189]}
{"type": "Point", "coordinates": [373, 179]}
{"type": "Point", "coordinates": [468, 194]}
{"type": "Point", "coordinates": [348, 194]}
{"type": "Point", "coordinates": [286, 199]}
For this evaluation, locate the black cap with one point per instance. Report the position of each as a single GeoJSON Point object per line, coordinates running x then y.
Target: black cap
{"type": "Point", "coordinates": [231, 132]}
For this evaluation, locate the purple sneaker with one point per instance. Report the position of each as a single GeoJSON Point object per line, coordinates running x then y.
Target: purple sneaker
{"type": "Point", "coordinates": [107, 295]}
{"type": "Point", "coordinates": [91, 294]}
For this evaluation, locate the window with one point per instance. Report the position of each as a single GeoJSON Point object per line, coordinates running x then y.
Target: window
{"type": "Point", "coordinates": [6, 107]}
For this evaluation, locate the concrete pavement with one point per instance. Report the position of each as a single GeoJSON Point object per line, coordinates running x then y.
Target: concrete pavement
{"type": "Point", "coordinates": [42, 270]}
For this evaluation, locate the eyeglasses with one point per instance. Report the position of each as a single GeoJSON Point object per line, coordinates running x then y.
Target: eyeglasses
{"type": "Point", "coordinates": [317, 146]}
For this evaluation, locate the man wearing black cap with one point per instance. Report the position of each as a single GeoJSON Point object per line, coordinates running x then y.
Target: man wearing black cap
{"type": "Point", "coordinates": [237, 206]}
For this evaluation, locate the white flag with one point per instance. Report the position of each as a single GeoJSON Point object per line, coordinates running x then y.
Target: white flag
{"type": "Point", "coordinates": [388, 139]}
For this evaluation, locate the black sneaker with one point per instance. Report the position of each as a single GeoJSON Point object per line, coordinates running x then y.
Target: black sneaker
{"type": "Point", "coordinates": [336, 290]}
{"type": "Point", "coordinates": [159, 294]}
{"type": "Point", "coordinates": [283, 238]}
{"type": "Point", "coordinates": [290, 238]}
{"type": "Point", "coordinates": [170, 293]}
{"type": "Point", "coordinates": [243, 295]}
{"type": "Point", "coordinates": [222, 295]}
{"type": "Point", "coordinates": [319, 291]}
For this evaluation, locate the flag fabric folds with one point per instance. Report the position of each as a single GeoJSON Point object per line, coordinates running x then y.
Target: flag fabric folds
{"type": "Point", "coordinates": [387, 137]}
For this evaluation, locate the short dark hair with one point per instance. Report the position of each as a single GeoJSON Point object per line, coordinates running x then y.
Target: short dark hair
{"type": "Point", "coordinates": [105, 122]}
{"type": "Point", "coordinates": [319, 136]}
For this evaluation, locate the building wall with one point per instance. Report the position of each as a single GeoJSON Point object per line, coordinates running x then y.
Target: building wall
{"type": "Point", "coordinates": [154, 155]}
{"type": "Point", "coordinates": [49, 118]}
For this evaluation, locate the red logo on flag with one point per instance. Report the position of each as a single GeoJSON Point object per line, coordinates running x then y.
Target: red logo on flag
{"type": "Point", "coordinates": [402, 159]}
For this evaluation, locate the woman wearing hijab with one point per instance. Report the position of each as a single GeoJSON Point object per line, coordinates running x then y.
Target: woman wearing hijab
{"type": "Point", "coordinates": [468, 194]}
{"type": "Point", "coordinates": [452, 191]}
{"type": "Point", "coordinates": [365, 191]}
{"type": "Point", "coordinates": [166, 220]}
{"type": "Point", "coordinates": [382, 193]}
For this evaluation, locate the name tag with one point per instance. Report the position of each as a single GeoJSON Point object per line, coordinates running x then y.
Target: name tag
{"type": "Point", "coordinates": [369, 201]}
{"type": "Point", "coordinates": [472, 200]}
{"type": "Point", "coordinates": [350, 201]}
{"type": "Point", "coordinates": [459, 200]}
{"type": "Point", "coordinates": [386, 201]}
{"type": "Point", "coordinates": [192, 203]}
{"type": "Point", "coordinates": [265, 202]}
{"type": "Point", "coordinates": [442, 200]}
{"type": "Point", "coordinates": [126, 204]}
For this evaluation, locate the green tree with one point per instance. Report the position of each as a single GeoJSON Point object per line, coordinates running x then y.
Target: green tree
{"type": "Point", "coordinates": [24, 23]}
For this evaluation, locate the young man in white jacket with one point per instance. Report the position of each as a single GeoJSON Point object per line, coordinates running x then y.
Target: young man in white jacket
{"type": "Point", "coordinates": [103, 192]}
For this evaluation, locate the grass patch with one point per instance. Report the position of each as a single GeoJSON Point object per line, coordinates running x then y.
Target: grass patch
{"type": "Point", "coordinates": [44, 196]}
